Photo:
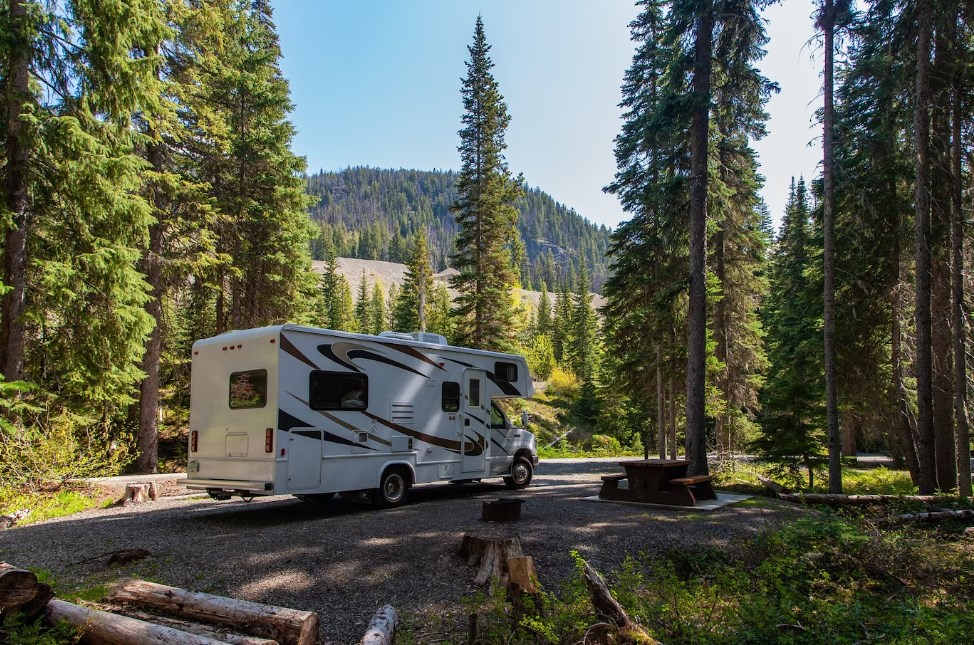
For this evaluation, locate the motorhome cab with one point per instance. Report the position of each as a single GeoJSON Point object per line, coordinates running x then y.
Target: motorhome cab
{"type": "Point", "coordinates": [312, 412]}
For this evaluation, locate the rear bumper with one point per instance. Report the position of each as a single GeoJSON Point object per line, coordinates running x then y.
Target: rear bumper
{"type": "Point", "coordinates": [230, 485]}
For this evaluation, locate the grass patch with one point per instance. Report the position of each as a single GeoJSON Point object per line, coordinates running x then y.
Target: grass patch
{"type": "Point", "coordinates": [743, 476]}
{"type": "Point", "coordinates": [824, 579]}
{"type": "Point", "coordinates": [47, 505]}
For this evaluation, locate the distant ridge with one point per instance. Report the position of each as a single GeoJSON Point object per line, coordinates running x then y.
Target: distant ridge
{"type": "Point", "coordinates": [370, 213]}
{"type": "Point", "coordinates": [389, 273]}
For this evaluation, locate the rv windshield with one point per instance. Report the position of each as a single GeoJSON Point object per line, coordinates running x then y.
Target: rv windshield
{"type": "Point", "coordinates": [498, 419]}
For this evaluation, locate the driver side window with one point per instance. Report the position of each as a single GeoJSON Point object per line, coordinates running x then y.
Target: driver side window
{"type": "Point", "coordinates": [497, 418]}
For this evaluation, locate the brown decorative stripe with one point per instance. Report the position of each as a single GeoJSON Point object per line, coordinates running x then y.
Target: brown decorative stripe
{"type": "Point", "coordinates": [342, 422]}
{"type": "Point", "coordinates": [415, 353]}
{"type": "Point", "coordinates": [452, 446]}
{"type": "Point", "coordinates": [289, 347]}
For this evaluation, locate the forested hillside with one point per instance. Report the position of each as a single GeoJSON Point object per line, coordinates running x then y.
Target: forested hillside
{"type": "Point", "coordinates": [371, 213]}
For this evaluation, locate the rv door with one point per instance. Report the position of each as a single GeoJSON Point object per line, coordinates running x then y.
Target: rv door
{"type": "Point", "coordinates": [474, 430]}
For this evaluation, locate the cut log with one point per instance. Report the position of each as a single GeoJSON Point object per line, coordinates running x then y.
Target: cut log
{"type": "Point", "coordinates": [216, 633]}
{"type": "Point", "coordinates": [135, 494]}
{"type": "Point", "coordinates": [859, 500]}
{"type": "Point", "coordinates": [20, 592]}
{"type": "Point", "coordinates": [382, 627]}
{"type": "Point", "coordinates": [490, 555]}
{"type": "Point", "coordinates": [287, 626]}
{"type": "Point", "coordinates": [774, 486]}
{"type": "Point", "coordinates": [6, 521]}
{"type": "Point", "coordinates": [103, 628]}
{"type": "Point", "coordinates": [936, 516]}
{"type": "Point", "coordinates": [606, 605]}
{"type": "Point", "coordinates": [522, 574]}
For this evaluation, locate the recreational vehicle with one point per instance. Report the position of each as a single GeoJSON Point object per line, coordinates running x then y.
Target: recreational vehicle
{"type": "Point", "coordinates": [313, 412]}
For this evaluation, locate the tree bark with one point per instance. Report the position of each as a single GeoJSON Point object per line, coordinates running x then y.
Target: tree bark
{"type": "Point", "coordinates": [490, 555]}
{"type": "Point", "coordinates": [103, 628]}
{"type": "Point", "coordinates": [148, 437]}
{"type": "Point", "coordinates": [962, 434]}
{"type": "Point", "coordinates": [827, 23]}
{"type": "Point", "coordinates": [921, 126]}
{"type": "Point", "coordinates": [15, 197]}
{"type": "Point", "coordinates": [606, 605]}
{"type": "Point", "coordinates": [382, 627]}
{"type": "Point", "coordinates": [696, 435]}
{"type": "Point", "coordinates": [660, 406]}
{"type": "Point", "coordinates": [287, 626]}
{"type": "Point", "coordinates": [216, 633]}
{"type": "Point", "coordinates": [672, 402]}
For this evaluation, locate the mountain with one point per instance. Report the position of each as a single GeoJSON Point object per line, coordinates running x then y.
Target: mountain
{"type": "Point", "coordinates": [370, 214]}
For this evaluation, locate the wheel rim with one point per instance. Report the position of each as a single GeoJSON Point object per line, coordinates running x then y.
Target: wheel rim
{"type": "Point", "coordinates": [521, 473]}
{"type": "Point", "coordinates": [394, 487]}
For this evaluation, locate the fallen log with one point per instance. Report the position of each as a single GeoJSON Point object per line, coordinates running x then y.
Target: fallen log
{"type": "Point", "coordinates": [6, 521]}
{"type": "Point", "coordinates": [773, 486]}
{"type": "Point", "coordinates": [286, 626]}
{"type": "Point", "coordinates": [490, 555]}
{"type": "Point", "coordinates": [936, 516]}
{"type": "Point", "coordinates": [606, 605]}
{"type": "Point", "coordinates": [216, 633]}
{"type": "Point", "coordinates": [102, 628]}
{"type": "Point", "coordinates": [858, 500]}
{"type": "Point", "coordinates": [382, 627]}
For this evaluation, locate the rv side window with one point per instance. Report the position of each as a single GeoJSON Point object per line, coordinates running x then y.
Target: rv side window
{"type": "Point", "coordinates": [248, 389]}
{"type": "Point", "coordinates": [451, 396]}
{"type": "Point", "coordinates": [474, 395]}
{"type": "Point", "coordinates": [339, 391]}
{"type": "Point", "coordinates": [506, 372]}
{"type": "Point", "coordinates": [497, 419]}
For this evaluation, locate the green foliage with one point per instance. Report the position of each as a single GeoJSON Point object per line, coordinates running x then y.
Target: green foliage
{"type": "Point", "coordinates": [45, 505]}
{"type": "Point", "coordinates": [15, 631]}
{"type": "Point", "coordinates": [415, 303]}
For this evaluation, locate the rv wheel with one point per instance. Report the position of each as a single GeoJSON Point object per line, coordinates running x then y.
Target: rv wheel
{"type": "Point", "coordinates": [392, 489]}
{"type": "Point", "coordinates": [521, 474]}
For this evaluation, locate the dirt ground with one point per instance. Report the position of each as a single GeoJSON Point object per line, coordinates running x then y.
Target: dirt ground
{"type": "Point", "coordinates": [345, 559]}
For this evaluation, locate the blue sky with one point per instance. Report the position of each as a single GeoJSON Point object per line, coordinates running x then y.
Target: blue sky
{"type": "Point", "coordinates": [377, 83]}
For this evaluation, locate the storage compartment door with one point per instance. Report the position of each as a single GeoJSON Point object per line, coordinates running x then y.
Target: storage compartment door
{"type": "Point", "coordinates": [304, 459]}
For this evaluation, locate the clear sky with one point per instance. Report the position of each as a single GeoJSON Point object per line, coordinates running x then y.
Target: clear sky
{"type": "Point", "coordinates": [377, 83]}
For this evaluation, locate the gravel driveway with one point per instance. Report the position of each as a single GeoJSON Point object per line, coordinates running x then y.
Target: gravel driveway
{"type": "Point", "coordinates": [344, 560]}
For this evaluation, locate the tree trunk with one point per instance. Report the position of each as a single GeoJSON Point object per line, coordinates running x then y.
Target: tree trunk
{"type": "Point", "coordinates": [962, 435]}
{"type": "Point", "coordinates": [660, 406]}
{"type": "Point", "coordinates": [720, 336]}
{"type": "Point", "coordinates": [827, 22]}
{"type": "Point", "coordinates": [20, 592]}
{"type": "Point", "coordinates": [15, 198]}
{"type": "Point", "coordinates": [216, 633]}
{"type": "Point", "coordinates": [148, 438]}
{"type": "Point", "coordinates": [606, 605]}
{"type": "Point", "coordinates": [103, 628]}
{"type": "Point", "coordinates": [672, 397]}
{"type": "Point", "coordinates": [696, 431]}
{"type": "Point", "coordinates": [925, 436]}
{"type": "Point", "coordinates": [287, 626]}
{"type": "Point", "coordinates": [942, 385]}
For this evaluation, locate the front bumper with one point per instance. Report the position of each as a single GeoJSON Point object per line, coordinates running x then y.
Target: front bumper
{"type": "Point", "coordinates": [230, 486]}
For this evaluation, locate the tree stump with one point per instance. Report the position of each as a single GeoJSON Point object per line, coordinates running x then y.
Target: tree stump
{"type": "Point", "coordinates": [490, 555]}
{"type": "Point", "coordinates": [135, 494]}
{"type": "Point", "coordinates": [523, 577]}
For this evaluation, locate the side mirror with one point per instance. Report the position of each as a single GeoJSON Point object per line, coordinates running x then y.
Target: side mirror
{"type": "Point", "coordinates": [525, 418]}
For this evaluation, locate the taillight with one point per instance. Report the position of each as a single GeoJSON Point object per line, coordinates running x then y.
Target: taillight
{"type": "Point", "coordinates": [194, 437]}
{"type": "Point", "coordinates": [269, 440]}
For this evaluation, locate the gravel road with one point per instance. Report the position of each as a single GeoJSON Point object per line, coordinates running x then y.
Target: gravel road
{"type": "Point", "coordinates": [344, 560]}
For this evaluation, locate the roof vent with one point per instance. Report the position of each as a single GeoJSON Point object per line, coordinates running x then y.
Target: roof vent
{"type": "Point", "coordinates": [427, 337]}
{"type": "Point", "coordinates": [396, 334]}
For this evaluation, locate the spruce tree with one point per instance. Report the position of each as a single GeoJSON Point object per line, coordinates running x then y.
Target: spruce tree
{"type": "Point", "coordinates": [542, 322]}
{"type": "Point", "coordinates": [412, 308]}
{"type": "Point", "coordinates": [363, 313]}
{"type": "Point", "coordinates": [484, 211]}
{"type": "Point", "coordinates": [377, 309]}
{"type": "Point", "coordinates": [583, 350]}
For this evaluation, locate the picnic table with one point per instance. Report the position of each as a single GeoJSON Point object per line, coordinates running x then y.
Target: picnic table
{"type": "Point", "coordinates": [657, 481]}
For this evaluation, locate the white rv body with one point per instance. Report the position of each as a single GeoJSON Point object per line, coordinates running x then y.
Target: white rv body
{"type": "Point", "coordinates": [304, 411]}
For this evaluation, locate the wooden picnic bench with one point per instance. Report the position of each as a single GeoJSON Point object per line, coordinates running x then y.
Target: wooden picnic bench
{"type": "Point", "coordinates": [657, 481]}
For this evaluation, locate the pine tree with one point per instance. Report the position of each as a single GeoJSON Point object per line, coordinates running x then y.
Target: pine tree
{"type": "Point", "coordinates": [583, 350]}
{"type": "Point", "coordinates": [377, 309]}
{"type": "Point", "coordinates": [792, 399]}
{"type": "Point", "coordinates": [484, 210]}
{"type": "Point", "coordinates": [363, 315]}
{"type": "Point", "coordinates": [542, 322]}
{"type": "Point", "coordinates": [417, 289]}
{"type": "Point", "coordinates": [257, 184]}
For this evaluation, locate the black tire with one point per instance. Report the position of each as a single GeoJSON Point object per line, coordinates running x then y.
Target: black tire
{"type": "Point", "coordinates": [393, 488]}
{"type": "Point", "coordinates": [316, 499]}
{"type": "Point", "coordinates": [522, 472]}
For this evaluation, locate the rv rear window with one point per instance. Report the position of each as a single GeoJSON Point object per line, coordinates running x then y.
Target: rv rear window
{"type": "Point", "coordinates": [506, 372]}
{"type": "Point", "coordinates": [248, 389]}
{"type": "Point", "coordinates": [451, 396]}
{"type": "Point", "coordinates": [339, 391]}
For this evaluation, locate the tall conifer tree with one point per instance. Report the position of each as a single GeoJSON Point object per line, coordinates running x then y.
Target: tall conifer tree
{"type": "Point", "coordinates": [484, 210]}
